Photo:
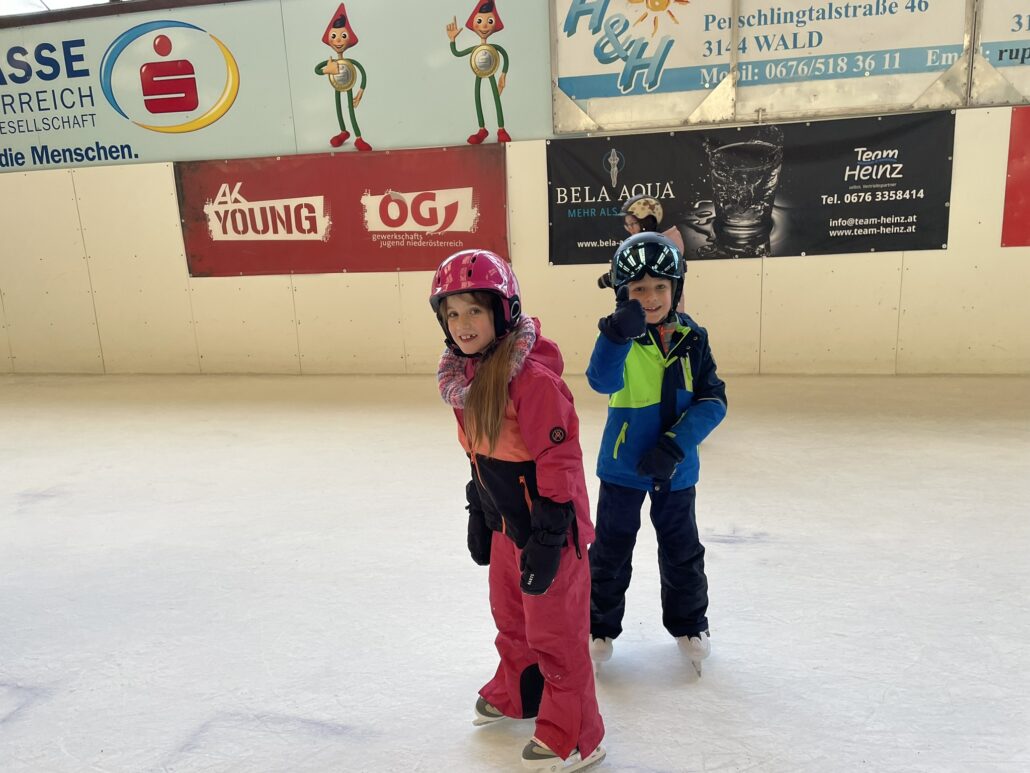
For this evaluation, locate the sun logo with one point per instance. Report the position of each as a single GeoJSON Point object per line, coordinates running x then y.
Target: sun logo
{"type": "Point", "coordinates": [657, 7]}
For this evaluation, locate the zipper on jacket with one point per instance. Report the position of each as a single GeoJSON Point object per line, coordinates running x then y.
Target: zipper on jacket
{"type": "Point", "coordinates": [620, 439]}
{"type": "Point", "coordinates": [674, 347]}
{"type": "Point", "coordinates": [504, 523]}
{"type": "Point", "coordinates": [525, 493]}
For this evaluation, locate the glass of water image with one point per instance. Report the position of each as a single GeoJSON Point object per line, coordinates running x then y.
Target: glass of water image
{"type": "Point", "coordinates": [744, 169]}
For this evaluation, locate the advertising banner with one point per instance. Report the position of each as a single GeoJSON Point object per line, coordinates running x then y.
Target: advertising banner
{"type": "Point", "coordinates": [1001, 69]}
{"type": "Point", "coordinates": [1015, 228]}
{"type": "Point", "coordinates": [272, 77]}
{"type": "Point", "coordinates": [858, 185]}
{"type": "Point", "coordinates": [627, 63]}
{"type": "Point", "coordinates": [148, 86]}
{"type": "Point", "coordinates": [398, 211]}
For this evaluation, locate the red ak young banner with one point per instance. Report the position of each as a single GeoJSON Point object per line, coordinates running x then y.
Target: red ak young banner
{"type": "Point", "coordinates": [393, 211]}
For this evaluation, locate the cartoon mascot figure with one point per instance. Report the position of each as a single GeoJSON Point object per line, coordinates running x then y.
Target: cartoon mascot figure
{"type": "Point", "coordinates": [486, 59]}
{"type": "Point", "coordinates": [344, 75]}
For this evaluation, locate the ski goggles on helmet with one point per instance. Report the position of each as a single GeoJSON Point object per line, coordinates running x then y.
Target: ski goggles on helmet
{"type": "Point", "coordinates": [645, 253]}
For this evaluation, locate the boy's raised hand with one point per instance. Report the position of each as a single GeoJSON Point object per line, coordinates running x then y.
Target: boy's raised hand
{"type": "Point", "coordinates": [627, 322]}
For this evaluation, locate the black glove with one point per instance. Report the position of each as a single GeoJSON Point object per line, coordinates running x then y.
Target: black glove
{"type": "Point", "coordinates": [627, 322]}
{"type": "Point", "coordinates": [660, 462]}
{"type": "Point", "coordinates": [480, 535]}
{"type": "Point", "coordinates": [542, 554]}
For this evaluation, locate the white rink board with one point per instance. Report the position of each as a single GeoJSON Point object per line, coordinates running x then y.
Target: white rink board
{"type": "Point", "coordinates": [831, 313]}
{"type": "Point", "coordinates": [568, 302]}
{"type": "Point", "coordinates": [48, 304]}
{"type": "Point", "coordinates": [967, 315]}
{"type": "Point", "coordinates": [725, 297]}
{"type": "Point", "coordinates": [133, 240]}
{"type": "Point", "coordinates": [6, 365]}
{"type": "Point", "coordinates": [245, 324]}
{"type": "Point", "coordinates": [965, 310]}
{"type": "Point", "coordinates": [423, 337]}
{"type": "Point", "coordinates": [566, 299]}
{"type": "Point", "coordinates": [349, 323]}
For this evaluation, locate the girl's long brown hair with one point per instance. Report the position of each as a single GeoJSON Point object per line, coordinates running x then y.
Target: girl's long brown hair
{"type": "Point", "coordinates": [488, 393]}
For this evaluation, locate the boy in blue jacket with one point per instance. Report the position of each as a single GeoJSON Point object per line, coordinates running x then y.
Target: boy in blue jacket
{"type": "Point", "coordinates": [664, 399]}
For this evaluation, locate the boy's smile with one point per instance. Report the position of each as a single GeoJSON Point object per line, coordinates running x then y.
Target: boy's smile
{"type": "Point", "coordinates": [655, 295]}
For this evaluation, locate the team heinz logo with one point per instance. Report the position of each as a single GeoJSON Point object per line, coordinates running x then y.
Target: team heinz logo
{"type": "Point", "coordinates": [169, 76]}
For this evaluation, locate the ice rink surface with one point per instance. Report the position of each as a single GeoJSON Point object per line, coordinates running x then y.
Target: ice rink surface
{"type": "Point", "coordinates": [269, 574]}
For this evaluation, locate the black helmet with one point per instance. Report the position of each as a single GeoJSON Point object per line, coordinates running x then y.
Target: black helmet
{"type": "Point", "coordinates": [648, 253]}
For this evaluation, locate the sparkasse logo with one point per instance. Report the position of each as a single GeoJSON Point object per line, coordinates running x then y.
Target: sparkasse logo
{"type": "Point", "coordinates": [146, 81]}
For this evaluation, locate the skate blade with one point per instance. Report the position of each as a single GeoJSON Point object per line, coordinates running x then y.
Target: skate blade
{"type": "Point", "coordinates": [575, 762]}
{"type": "Point", "coordinates": [596, 758]}
{"type": "Point", "coordinates": [697, 667]}
{"type": "Point", "coordinates": [480, 721]}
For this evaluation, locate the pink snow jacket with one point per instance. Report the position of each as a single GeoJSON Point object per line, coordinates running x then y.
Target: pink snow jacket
{"type": "Point", "coordinates": [537, 453]}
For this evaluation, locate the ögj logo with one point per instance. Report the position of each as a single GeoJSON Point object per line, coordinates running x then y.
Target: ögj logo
{"type": "Point", "coordinates": [167, 85]}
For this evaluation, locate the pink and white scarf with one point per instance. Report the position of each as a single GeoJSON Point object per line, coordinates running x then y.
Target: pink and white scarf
{"type": "Point", "coordinates": [450, 375]}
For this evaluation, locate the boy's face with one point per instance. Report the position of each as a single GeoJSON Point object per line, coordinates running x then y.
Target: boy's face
{"type": "Point", "coordinates": [655, 295]}
{"type": "Point", "coordinates": [632, 224]}
{"type": "Point", "coordinates": [470, 324]}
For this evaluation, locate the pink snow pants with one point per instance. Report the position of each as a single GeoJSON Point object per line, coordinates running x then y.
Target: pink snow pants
{"type": "Point", "coordinates": [551, 632]}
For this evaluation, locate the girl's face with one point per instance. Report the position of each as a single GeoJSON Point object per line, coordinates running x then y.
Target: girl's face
{"type": "Point", "coordinates": [655, 295]}
{"type": "Point", "coordinates": [632, 224]}
{"type": "Point", "coordinates": [470, 324]}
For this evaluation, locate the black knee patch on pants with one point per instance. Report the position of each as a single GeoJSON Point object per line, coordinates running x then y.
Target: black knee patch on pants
{"type": "Point", "coordinates": [532, 689]}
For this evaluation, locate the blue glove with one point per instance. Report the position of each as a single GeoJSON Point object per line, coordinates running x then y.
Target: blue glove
{"type": "Point", "coordinates": [660, 462]}
{"type": "Point", "coordinates": [627, 322]}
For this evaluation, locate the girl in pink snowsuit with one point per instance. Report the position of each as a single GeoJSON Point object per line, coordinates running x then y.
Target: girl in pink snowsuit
{"type": "Point", "coordinates": [528, 509]}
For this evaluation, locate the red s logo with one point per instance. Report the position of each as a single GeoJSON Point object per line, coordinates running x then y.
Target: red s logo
{"type": "Point", "coordinates": [169, 86]}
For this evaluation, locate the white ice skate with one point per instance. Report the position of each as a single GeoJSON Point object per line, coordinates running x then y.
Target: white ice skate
{"type": "Point", "coordinates": [486, 713]}
{"type": "Point", "coordinates": [600, 649]}
{"type": "Point", "coordinates": [536, 756]}
{"type": "Point", "coordinates": [696, 647]}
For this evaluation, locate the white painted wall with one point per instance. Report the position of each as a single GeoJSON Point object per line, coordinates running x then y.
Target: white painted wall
{"type": "Point", "coordinates": [93, 279]}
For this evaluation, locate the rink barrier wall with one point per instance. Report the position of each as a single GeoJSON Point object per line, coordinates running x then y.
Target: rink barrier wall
{"type": "Point", "coordinates": [93, 279]}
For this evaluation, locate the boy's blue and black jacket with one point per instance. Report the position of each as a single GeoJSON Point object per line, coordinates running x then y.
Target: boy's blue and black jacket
{"type": "Point", "coordinates": [651, 392]}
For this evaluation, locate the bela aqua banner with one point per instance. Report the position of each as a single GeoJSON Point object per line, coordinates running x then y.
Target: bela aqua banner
{"type": "Point", "coordinates": [858, 185]}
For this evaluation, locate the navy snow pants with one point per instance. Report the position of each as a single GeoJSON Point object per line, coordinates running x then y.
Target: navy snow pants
{"type": "Point", "coordinates": [681, 559]}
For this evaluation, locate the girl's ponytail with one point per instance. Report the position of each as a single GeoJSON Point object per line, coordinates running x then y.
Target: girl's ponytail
{"type": "Point", "coordinates": [488, 395]}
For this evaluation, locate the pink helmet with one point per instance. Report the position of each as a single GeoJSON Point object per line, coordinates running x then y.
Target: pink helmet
{"type": "Point", "coordinates": [479, 271]}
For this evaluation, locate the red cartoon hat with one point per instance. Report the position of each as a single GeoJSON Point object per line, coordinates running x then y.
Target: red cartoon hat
{"type": "Point", "coordinates": [484, 6]}
{"type": "Point", "coordinates": [339, 21]}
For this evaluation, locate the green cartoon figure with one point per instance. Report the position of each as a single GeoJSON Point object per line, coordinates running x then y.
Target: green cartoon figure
{"type": "Point", "coordinates": [343, 74]}
{"type": "Point", "coordinates": [485, 60]}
